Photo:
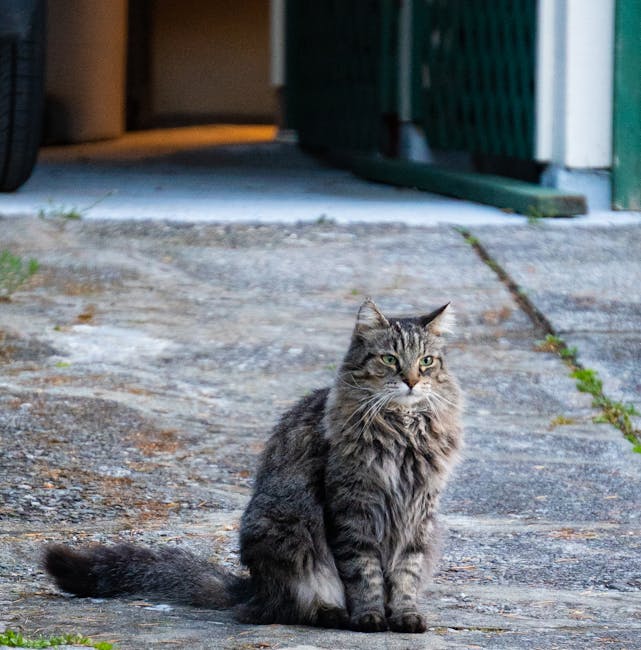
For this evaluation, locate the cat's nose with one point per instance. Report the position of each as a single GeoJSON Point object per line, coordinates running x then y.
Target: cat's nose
{"type": "Point", "coordinates": [411, 380]}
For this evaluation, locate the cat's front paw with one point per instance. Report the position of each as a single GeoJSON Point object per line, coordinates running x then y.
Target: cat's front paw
{"type": "Point", "coordinates": [333, 617]}
{"type": "Point", "coordinates": [407, 622]}
{"type": "Point", "coordinates": [368, 622]}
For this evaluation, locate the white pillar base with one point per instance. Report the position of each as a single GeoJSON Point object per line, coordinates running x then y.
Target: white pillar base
{"type": "Point", "coordinates": [412, 143]}
{"type": "Point", "coordinates": [594, 184]}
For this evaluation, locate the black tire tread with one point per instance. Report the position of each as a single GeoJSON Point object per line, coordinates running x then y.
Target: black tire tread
{"type": "Point", "coordinates": [21, 102]}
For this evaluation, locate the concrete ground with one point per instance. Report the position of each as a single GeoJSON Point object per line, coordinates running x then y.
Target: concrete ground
{"type": "Point", "coordinates": [144, 364]}
{"type": "Point", "coordinates": [232, 174]}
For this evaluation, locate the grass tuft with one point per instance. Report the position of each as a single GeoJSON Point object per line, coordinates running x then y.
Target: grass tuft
{"type": "Point", "coordinates": [587, 381]}
{"type": "Point", "coordinates": [69, 213]}
{"type": "Point", "coordinates": [14, 272]}
{"type": "Point", "coordinates": [553, 343]}
{"type": "Point", "coordinates": [60, 212]}
{"type": "Point", "coordinates": [561, 420]}
{"type": "Point", "coordinates": [13, 639]}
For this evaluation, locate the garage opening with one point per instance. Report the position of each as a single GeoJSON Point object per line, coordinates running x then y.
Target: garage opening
{"type": "Point", "coordinates": [141, 64]}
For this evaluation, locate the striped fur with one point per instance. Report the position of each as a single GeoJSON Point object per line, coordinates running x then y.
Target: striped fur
{"type": "Point", "coordinates": [341, 529]}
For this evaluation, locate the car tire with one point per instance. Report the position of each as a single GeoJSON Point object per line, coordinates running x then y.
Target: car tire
{"type": "Point", "coordinates": [22, 65]}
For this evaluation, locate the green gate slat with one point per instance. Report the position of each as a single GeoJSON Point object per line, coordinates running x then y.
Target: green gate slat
{"type": "Point", "coordinates": [340, 72]}
{"type": "Point", "coordinates": [517, 196]}
{"type": "Point", "coordinates": [478, 60]}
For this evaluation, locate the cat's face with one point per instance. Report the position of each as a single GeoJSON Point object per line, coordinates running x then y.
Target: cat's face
{"type": "Point", "coordinates": [399, 362]}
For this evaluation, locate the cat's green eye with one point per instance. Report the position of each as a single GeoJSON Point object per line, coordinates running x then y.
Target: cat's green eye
{"type": "Point", "coordinates": [426, 362]}
{"type": "Point", "coordinates": [388, 359]}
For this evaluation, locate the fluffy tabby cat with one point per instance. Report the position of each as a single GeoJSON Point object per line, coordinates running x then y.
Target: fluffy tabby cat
{"type": "Point", "coordinates": [340, 530]}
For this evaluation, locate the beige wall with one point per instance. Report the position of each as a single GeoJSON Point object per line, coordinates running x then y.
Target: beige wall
{"type": "Point", "coordinates": [86, 54]}
{"type": "Point", "coordinates": [211, 59]}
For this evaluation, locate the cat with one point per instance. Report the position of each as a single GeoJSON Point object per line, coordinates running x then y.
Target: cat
{"type": "Point", "coordinates": [341, 528]}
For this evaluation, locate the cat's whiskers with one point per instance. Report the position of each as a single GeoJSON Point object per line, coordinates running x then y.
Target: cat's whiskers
{"type": "Point", "coordinates": [362, 404]}
{"type": "Point", "coordinates": [441, 399]}
{"type": "Point", "coordinates": [367, 410]}
{"type": "Point", "coordinates": [438, 404]}
{"type": "Point", "coordinates": [376, 407]}
{"type": "Point", "coordinates": [354, 385]}
{"type": "Point", "coordinates": [433, 405]}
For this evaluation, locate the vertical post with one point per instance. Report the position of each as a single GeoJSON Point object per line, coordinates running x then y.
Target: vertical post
{"type": "Point", "coordinates": [574, 80]}
{"type": "Point", "coordinates": [277, 66]}
{"type": "Point", "coordinates": [292, 90]}
{"type": "Point", "coordinates": [412, 142]}
{"type": "Point", "coordinates": [277, 42]}
{"type": "Point", "coordinates": [626, 167]}
{"type": "Point", "coordinates": [547, 68]}
{"type": "Point", "coordinates": [86, 65]}
{"type": "Point", "coordinates": [405, 37]}
{"type": "Point", "coordinates": [575, 52]}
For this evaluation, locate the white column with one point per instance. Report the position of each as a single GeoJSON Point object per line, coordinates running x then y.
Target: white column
{"type": "Point", "coordinates": [575, 53]}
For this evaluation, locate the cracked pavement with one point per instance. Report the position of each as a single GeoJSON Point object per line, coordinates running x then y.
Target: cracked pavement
{"type": "Point", "coordinates": [143, 366]}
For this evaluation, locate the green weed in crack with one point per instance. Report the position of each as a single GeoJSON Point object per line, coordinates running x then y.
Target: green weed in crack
{"type": "Point", "coordinates": [14, 272]}
{"type": "Point", "coordinates": [60, 212]}
{"type": "Point", "coordinates": [69, 213]}
{"type": "Point", "coordinates": [561, 421]}
{"type": "Point", "coordinates": [587, 380]}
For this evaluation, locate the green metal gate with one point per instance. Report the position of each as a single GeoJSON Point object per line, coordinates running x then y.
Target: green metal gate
{"type": "Point", "coordinates": [473, 73]}
{"type": "Point", "coordinates": [463, 70]}
{"type": "Point", "coordinates": [339, 63]}
{"type": "Point", "coordinates": [477, 70]}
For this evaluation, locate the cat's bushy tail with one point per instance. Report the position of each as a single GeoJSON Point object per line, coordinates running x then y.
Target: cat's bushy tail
{"type": "Point", "coordinates": [171, 574]}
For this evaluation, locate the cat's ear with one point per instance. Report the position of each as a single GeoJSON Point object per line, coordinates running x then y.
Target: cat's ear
{"type": "Point", "coordinates": [440, 321]}
{"type": "Point", "coordinates": [370, 317]}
